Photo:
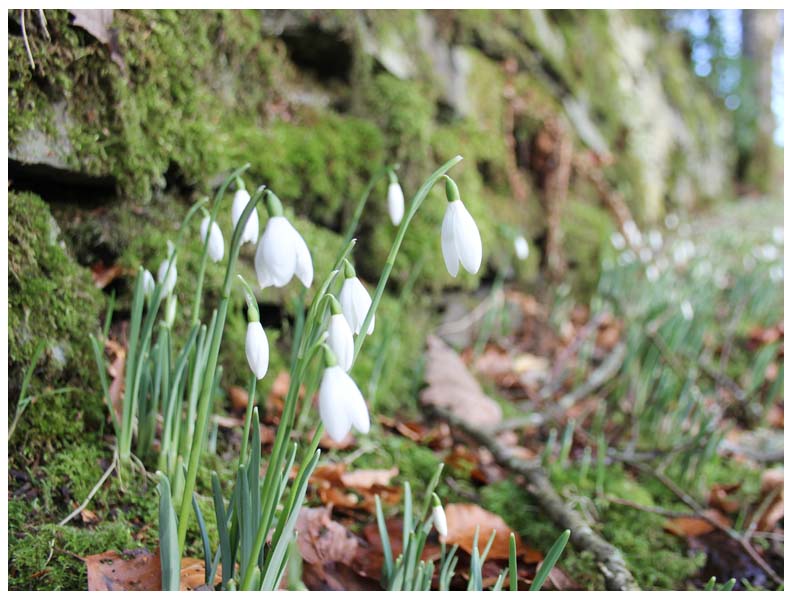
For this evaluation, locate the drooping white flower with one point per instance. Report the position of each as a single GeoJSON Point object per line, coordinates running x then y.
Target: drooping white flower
{"type": "Point", "coordinates": [170, 310]}
{"type": "Point", "coordinates": [148, 284]}
{"type": "Point", "coordinates": [461, 241]}
{"type": "Point", "coordinates": [632, 233]}
{"type": "Point", "coordinates": [281, 254]}
{"type": "Point", "coordinates": [240, 200]}
{"type": "Point", "coordinates": [216, 244]}
{"type": "Point", "coordinates": [355, 303]}
{"type": "Point", "coordinates": [257, 349]}
{"type": "Point", "coordinates": [341, 341]}
{"type": "Point", "coordinates": [656, 239]}
{"type": "Point", "coordinates": [395, 202]}
{"type": "Point", "coordinates": [439, 518]}
{"type": "Point", "coordinates": [618, 241]}
{"type": "Point", "coordinates": [522, 247]}
{"type": "Point", "coordinates": [652, 273]}
{"type": "Point", "coordinates": [687, 310]}
{"type": "Point", "coordinates": [169, 284]}
{"type": "Point", "coordinates": [341, 405]}
{"type": "Point", "coordinates": [778, 234]}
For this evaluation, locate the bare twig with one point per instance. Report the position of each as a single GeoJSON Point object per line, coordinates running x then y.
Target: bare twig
{"type": "Point", "coordinates": [25, 40]}
{"type": "Point", "coordinates": [609, 559]}
{"type": "Point", "coordinates": [92, 493]}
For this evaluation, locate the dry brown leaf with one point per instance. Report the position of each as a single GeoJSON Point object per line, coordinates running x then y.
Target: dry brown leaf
{"type": "Point", "coordinates": [89, 517]}
{"type": "Point", "coordinates": [772, 485]}
{"type": "Point", "coordinates": [193, 575]}
{"type": "Point", "coordinates": [367, 478]}
{"type": "Point", "coordinates": [137, 570]}
{"type": "Point", "coordinates": [452, 387]}
{"type": "Point", "coordinates": [95, 21]}
{"type": "Point", "coordinates": [322, 540]}
{"type": "Point", "coordinates": [463, 519]}
{"type": "Point", "coordinates": [104, 275]}
{"type": "Point", "coordinates": [720, 497]}
{"type": "Point", "coordinates": [116, 371]}
{"type": "Point", "coordinates": [239, 398]}
{"type": "Point", "coordinates": [696, 526]}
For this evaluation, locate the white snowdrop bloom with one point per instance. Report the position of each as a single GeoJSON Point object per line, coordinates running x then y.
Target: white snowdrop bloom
{"type": "Point", "coordinates": [618, 241]}
{"type": "Point", "coordinates": [645, 255]}
{"type": "Point", "coordinates": [461, 241]}
{"type": "Point", "coordinates": [439, 518]}
{"type": "Point", "coordinates": [632, 233]}
{"type": "Point", "coordinates": [169, 284]}
{"type": "Point", "coordinates": [240, 200]}
{"type": "Point", "coordinates": [148, 284]}
{"type": "Point", "coordinates": [341, 405]}
{"type": "Point", "coordinates": [216, 244]}
{"type": "Point", "coordinates": [687, 310]}
{"type": "Point", "coordinates": [778, 234]}
{"type": "Point", "coordinates": [355, 303]}
{"type": "Point", "coordinates": [626, 258]}
{"type": "Point", "coordinates": [341, 341]}
{"type": "Point", "coordinates": [170, 310]}
{"type": "Point", "coordinates": [777, 273]}
{"type": "Point", "coordinates": [281, 254]}
{"type": "Point", "coordinates": [652, 273]}
{"type": "Point", "coordinates": [395, 202]}
{"type": "Point", "coordinates": [768, 252]}
{"type": "Point", "coordinates": [257, 348]}
{"type": "Point", "coordinates": [655, 239]}
{"type": "Point", "coordinates": [521, 247]}
{"type": "Point", "coordinates": [671, 221]}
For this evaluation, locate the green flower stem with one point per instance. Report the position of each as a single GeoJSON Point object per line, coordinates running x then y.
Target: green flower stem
{"type": "Point", "coordinates": [248, 419]}
{"type": "Point", "coordinates": [204, 255]}
{"type": "Point", "coordinates": [416, 202]}
{"type": "Point", "coordinates": [207, 388]}
{"type": "Point", "coordinates": [363, 200]}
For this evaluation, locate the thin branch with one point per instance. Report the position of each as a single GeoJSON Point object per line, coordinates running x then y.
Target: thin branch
{"type": "Point", "coordinates": [92, 493]}
{"type": "Point", "coordinates": [609, 559]}
{"type": "Point", "coordinates": [25, 40]}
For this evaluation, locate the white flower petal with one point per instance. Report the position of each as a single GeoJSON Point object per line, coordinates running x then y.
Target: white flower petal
{"type": "Point", "coordinates": [395, 202]}
{"type": "Point", "coordinates": [275, 257]}
{"type": "Point", "coordinates": [331, 397]}
{"type": "Point", "coordinates": [148, 283]}
{"type": "Point", "coordinates": [216, 244]}
{"type": "Point", "coordinates": [240, 200]}
{"type": "Point", "coordinates": [356, 408]}
{"type": "Point", "coordinates": [440, 520]}
{"type": "Point", "coordinates": [167, 285]}
{"type": "Point", "coordinates": [522, 247]}
{"type": "Point", "coordinates": [467, 239]}
{"type": "Point", "coordinates": [341, 341]}
{"type": "Point", "coordinates": [449, 251]}
{"type": "Point", "coordinates": [304, 262]}
{"type": "Point", "coordinates": [355, 303]}
{"type": "Point", "coordinates": [257, 349]}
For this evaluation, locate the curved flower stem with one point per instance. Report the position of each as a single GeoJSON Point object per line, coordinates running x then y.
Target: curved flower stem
{"type": "Point", "coordinates": [363, 200]}
{"type": "Point", "coordinates": [416, 202]}
{"type": "Point", "coordinates": [248, 420]}
{"type": "Point", "coordinates": [204, 255]}
{"type": "Point", "coordinates": [207, 387]}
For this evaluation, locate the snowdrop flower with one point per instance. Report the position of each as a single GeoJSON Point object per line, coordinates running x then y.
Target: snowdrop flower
{"type": "Point", "coordinates": [216, 245]}
{"type": "Point", "coordinates": [170, 283]}
{"type": "Point", "coordinates": [767, 252]}
{"type": "Point", "coordinates": [395, 201]}
{"type": "Point", "coordinates": [522, 247]}
{"type": "Point", "coordinates": [687, 310]}
{"type": "Point", "coordinates": [777, 273]}
{"type": "Point", "coordinates": [655, 239]}
{"type": "Point", "coordinates": [282, 252]}
{"type": "Point", "coordinates": [632, 233]}
{"type": "Point", "coordinates": [340, 339]}
{"type": "Point", "coordinates": [439, 518]}
{"type": "Point", "coordinates": [340, 403]}
{"type": "Point", "coordinates": [652, 273]}
{"type": "Point", "coordinates": [355, 301]}
{"type": "Point", "coordinates": [618, 241]}
{"type": "Point", "coordinates": [461, 241]}
{"type": "Point", "coordinates": [240, 200]}
{"type": "Point", "coordinates": [778, 234]}
{"type": "Point", "coordinates": [671, 221]}
{"type": "Point", "coordinates": [170, 310]}
{"type": "Point", "coordinates": [626, 258]}
{"type": "Point", "coordinates": [257, 348]}
{"type": "Point", "coordinates": [148, 284]}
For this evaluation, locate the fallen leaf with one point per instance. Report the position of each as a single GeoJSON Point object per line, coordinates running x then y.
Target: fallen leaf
{"type": "Point", "coordinates": [89, 517]}
{"type": "Point", "coordinates": [772, 487]}
{"type": "Point", "coordinates": [367, 478]}
{"type": "Point", "coordinates": [323, 540]}
{"type": "Point", "coordinates": [452, 387]}
{"type": "Point", "coordinates": [696, 526]}
{"type": "Point", "coordinates": [193, 575]}
{"type": "Point", "coordinates": [104, 275]}
{"type": "Point", "coordinates": [116, 371]}
{"type": "Point", "coordinates": [137, 570]}
{"type": "Point", "coordinates": [239, 398]}
{"type": "Point", "coordinates": [463, 519]}
{"type": "Point", "coordinates": [720, 498]}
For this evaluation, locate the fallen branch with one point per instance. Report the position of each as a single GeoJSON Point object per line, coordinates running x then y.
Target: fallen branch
{"type": "Point", "coordinates": [609, 559]}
